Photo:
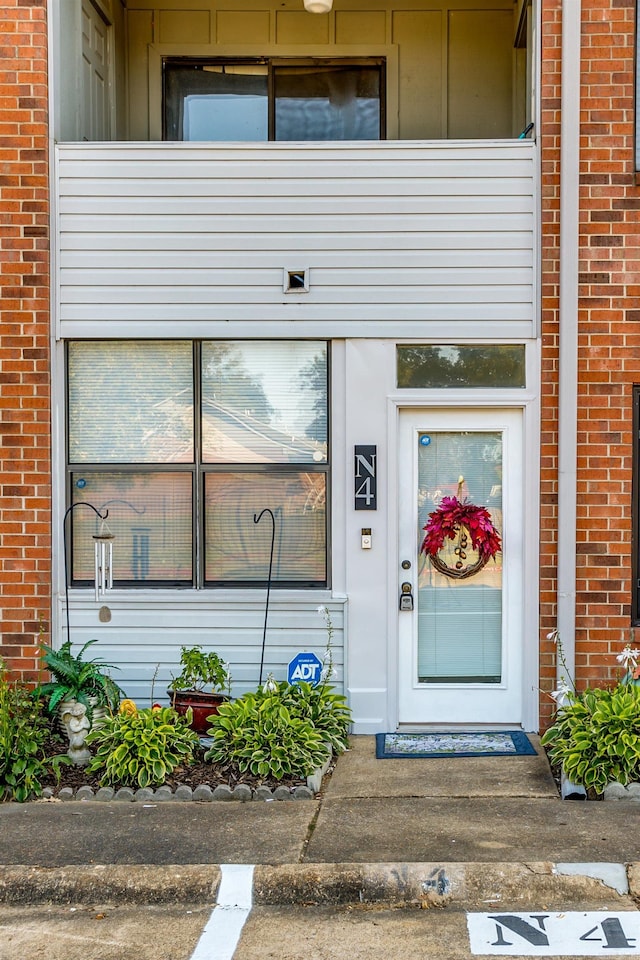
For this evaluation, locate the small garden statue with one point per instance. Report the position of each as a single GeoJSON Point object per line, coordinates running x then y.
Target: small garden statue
{"type": "Point", "coordinates": [76, 724]}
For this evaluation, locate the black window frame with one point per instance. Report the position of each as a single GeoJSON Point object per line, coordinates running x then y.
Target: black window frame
{"type": "Point", "coordinates": [273, 63]}
{"type": "Point", "coordinates": [198, 469]}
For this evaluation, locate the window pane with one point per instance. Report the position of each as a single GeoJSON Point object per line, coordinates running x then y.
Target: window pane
{"type": "Point", "coordinates": [216, 101]}
{"type": "Point", "coordinates": [445, 365]}
{"type": "Point", "coordinates": [150, 516]}
{"type": "Point", "coordinates": [264, 402]}
{"type": "Point", "coordinates": [130, 402]}
{"type": "Point", "coordinates": [327, 102]}
{"type": "Point", "coordinates": [237, 549]}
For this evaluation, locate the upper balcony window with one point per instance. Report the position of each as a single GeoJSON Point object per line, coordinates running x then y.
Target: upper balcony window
{"type": "Point", "coordinates": [255, 100]}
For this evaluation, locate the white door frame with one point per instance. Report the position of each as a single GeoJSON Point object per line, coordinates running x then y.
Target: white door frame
{"type": "Point", "coordinates": [529, 404]}
{"type": "Point", "coordinates": [450, 703]}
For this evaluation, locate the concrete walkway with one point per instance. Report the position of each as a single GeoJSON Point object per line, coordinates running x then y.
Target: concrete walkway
{"type": "Point", "coordinates": [391, 828]}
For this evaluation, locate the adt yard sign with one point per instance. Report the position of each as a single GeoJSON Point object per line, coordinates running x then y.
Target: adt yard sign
{"type": "Point", "coordinates": [307, 667]}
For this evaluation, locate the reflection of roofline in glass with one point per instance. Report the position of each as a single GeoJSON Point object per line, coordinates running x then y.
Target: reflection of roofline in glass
{"type": "Point", "coordinates": [297, 449]}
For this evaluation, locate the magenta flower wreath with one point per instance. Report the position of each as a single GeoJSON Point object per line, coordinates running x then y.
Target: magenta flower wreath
{"type": "Point", "coordinates": [456, 519]}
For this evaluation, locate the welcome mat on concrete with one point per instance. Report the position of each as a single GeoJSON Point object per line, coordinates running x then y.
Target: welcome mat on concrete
{"type": "Point", "coordinates": [401, 746]}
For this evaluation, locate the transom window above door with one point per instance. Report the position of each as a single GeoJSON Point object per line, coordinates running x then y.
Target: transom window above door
{"type": "Point", "coordinates": [271, 99]}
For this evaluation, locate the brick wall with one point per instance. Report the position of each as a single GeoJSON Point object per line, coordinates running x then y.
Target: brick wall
{"type": "Point", "coordinates": [25, 466]}
{"type": "Point", "coordinates": [609, 335]}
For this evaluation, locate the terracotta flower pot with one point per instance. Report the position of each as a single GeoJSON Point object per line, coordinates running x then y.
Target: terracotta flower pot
{"type": "Point", "coordinates": [202, 704]}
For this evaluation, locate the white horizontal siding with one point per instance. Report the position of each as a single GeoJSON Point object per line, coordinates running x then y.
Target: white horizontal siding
{"type": "Point", "coordinates": [392, 233]}
{"type": "Point", "coordinates": [144, 637]}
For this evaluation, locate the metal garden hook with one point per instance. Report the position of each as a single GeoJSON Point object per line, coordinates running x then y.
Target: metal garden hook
{"type": "Point", "coordinates": [101, 516]}
{"type": "Point", "coordinates": [257, 519]}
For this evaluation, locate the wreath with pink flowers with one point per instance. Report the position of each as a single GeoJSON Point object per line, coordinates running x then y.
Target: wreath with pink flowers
{"type": "Point", "coordinates": [461, 521]}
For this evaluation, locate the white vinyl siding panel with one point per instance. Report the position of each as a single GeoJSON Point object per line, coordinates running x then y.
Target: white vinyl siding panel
{"type": "Point", "coordinates": [143, 639]}
{"type": "Point", "coordinates": [394, 234]}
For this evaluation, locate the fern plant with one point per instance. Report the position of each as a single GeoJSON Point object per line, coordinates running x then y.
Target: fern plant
{"type": "Point", "coordinates": [75, 678]}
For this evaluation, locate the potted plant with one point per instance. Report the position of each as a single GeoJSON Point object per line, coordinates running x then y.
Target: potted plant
{"type": "Point", "coordinates": [76, 680]}
{"type": "Point", "coordinates": [187, 690]}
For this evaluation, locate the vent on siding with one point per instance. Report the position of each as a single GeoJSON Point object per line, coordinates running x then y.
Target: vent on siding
{"type": "Point", "coordinates": [296, 281]}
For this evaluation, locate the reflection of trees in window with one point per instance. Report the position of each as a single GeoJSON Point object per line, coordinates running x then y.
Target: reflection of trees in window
{"type": "Point", "coordinates": [226, 379]}
{"type": "Point", "coordinates": [136, 444]}
{"type": "Point", "coordinates": [313, 379]}
{"type": "Point", "coordinates": [130, 402]}
{"type": "Point", "coordinates": [445, 365]}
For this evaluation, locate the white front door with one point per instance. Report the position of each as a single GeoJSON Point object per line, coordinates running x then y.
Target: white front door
{"type": "Point", "coordinates": [460, 646]}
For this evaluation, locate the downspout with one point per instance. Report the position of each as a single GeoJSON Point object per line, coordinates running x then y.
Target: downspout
{"type": "Point", "coordinates": [568, 334]}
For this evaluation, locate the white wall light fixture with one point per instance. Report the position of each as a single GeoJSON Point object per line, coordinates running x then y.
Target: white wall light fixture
{"type": "Point", "coordinates": [318, 6]}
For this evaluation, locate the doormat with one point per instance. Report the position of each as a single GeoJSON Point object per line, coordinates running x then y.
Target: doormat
{"type": "Point", "coordinates": [402, 746]}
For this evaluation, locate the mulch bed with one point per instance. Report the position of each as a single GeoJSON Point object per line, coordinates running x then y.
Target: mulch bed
{"type": "Point", "coordinates": [192, 775]}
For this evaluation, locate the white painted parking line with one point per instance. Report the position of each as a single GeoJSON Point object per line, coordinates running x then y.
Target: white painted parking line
{"type": "Point", "coordinates": [549, 934]}
{"type": "Point", "coordinates": [220, 936]}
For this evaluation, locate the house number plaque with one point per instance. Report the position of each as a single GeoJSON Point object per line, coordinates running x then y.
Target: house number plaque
{"type": "Point", "coordinates": [366, 477]}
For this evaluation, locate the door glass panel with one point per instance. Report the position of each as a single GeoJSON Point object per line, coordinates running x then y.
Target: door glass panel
{"type": "Point", "coordinates": [459, 620]}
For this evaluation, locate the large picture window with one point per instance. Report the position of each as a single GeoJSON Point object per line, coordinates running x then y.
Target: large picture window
{"type": "Point", "coordinates": [184, 443]}
{"type": "Point", "coordinates": [267, 99]}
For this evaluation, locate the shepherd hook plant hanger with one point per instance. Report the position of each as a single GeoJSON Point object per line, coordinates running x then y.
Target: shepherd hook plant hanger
{"type": "Point", "coordinates": [102, 517]}
{"type": "Point", "coordinates": [256, 519]}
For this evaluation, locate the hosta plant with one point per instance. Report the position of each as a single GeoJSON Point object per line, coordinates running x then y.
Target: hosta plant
{"type": "Point", "coordinates": [596, 736]}
{"type": "Point", "coordinates": [140, 748]}
{"type": "Point", "coordinates": [262, 733]}
{"type": "Point", "coordinates": [325, 710]}
{"type": "Point", "coordinates": [23, 731]}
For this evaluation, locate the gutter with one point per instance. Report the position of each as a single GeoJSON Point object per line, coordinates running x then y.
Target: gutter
{"type": "Point", "coordinates": [568, 333]}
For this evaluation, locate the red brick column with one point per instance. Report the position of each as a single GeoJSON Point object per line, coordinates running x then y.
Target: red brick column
{"type": "Point", "coordinates": [609, 336]}
{"type": "Point", "coordinates": [609, 359]}
{"type": "Point", "coordinates": [25, 462]}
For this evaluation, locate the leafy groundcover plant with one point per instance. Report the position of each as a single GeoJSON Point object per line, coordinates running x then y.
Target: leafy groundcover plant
{"type": "Point", "coordinates": [596, 736]}
{"type": "Point", "coordinates": [140, 748]}
{"type": "Point", "coordinates": [23, 731]}
{"type": "Point", "coordinates": [280, 731]}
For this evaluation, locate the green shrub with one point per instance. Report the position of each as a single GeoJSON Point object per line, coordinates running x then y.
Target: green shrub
{"type": "Point", "coordinates": [23, 731]}
{"type": "Point", "coordinates": [261, 733]}
{"type": "Point", "coordinates": [596, 736]}
{"type": "Point", "coordinates": [141, 748]}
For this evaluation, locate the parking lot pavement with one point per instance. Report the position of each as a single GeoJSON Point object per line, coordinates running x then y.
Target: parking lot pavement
{"type": "Point", "coordinates": [336, 932]}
